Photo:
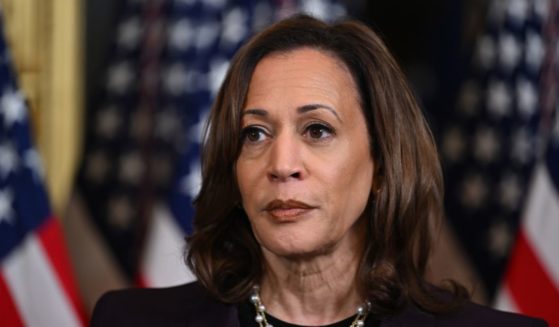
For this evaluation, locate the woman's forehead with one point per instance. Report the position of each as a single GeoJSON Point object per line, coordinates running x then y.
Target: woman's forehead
{"type": "Point", "coordinates": [301, 72]}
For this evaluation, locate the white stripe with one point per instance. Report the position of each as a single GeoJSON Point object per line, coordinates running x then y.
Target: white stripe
{"type": "Point", "coordinates": [541, 222]}
{"type": "Point", "coordinates": [162, 263]}
{"type": "Point", "coordinates": [35, 288]}
{"type": "Point", "coordinates": [504, 301]}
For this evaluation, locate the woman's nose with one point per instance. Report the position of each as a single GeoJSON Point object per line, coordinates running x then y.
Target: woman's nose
{"type": "Point", "coordinates": [285, 159]}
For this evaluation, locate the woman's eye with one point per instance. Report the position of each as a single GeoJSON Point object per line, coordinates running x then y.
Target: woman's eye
{"type": "Point", "coordinates": [319, 131]}
{"type": "Point", "coordinates": [253, 134]}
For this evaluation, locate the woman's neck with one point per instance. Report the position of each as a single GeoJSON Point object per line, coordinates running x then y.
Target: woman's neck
{"type": "Point", "coordinates": [313, 291]}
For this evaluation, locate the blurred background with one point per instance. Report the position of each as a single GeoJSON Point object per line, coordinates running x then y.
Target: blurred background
{"type": "Point", "coordinates": [102, 104]}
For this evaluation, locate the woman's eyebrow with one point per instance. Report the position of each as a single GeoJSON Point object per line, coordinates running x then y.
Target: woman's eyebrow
{"type": "Point", "coordinates": [301, 110]}
{"type": "Point", "coordinates": [315, 106]}
{"type": "Point", "coordinates": [257, 112]}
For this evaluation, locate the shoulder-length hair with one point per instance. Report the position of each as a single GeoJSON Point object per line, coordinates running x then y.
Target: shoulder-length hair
{"type": "Point", "coordinates": [408, 189]}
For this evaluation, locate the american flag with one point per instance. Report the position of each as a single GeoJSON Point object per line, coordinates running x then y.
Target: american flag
{"type": "Point", "coordinates": [501, 158]}
{"type": "Point", "coordinates": [141, 167]}
{"type": "Point", "coordinates": [36, 283]}
{"type": "Point", "coordinates": [490, 145]}
{"type": "Point", "coordinates": [531, 282]}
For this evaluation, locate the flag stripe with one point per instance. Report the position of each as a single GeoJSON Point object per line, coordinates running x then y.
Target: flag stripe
{"type": "Point", "coordinates": [52, 240]}
{"type": "Point", "coordinates": [539, 297]}
{"type": "Point", "coordinates": [505, 301]}
{"type": "Point", "coordinates": [35, 288]}
{"type": "Point", "coordinates": [163, 263]}
{"type": "Point", "coordinates": [8, 310]}
{"type": "Point", "coordinates": [541, 221]}
{"type": "Point", "coordinates": [140, 281]}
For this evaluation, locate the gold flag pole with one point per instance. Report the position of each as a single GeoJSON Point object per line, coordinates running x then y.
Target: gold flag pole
{"type": "Point", "coordinates": [45, 40]}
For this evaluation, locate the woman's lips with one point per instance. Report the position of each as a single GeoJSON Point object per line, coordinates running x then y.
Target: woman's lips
{"type": "Point", "coordinates": [286, 214]}
{"type": "Point", "coordinates": [287, 210]}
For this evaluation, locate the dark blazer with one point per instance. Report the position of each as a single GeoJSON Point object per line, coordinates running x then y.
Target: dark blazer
{"type": "Point", "coordinates": [190, 305]}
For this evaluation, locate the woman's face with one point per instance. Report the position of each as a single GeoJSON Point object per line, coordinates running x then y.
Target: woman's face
{"type": "Point", "coordinates": [305, 170]}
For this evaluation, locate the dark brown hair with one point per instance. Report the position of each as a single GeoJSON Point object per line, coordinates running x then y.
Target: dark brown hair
{"type": "Point", "coordinates": [408, 193]}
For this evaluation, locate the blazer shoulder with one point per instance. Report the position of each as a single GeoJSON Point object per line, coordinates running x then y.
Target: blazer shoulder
{"type": "Point", "coordinates": [183, 305]}
{"type": "Point", "coordinates": [479, 315]}
{"type": "Point", "coordinates": [485, 316]}
{"type": "Point", "coordinates": [470, 314]}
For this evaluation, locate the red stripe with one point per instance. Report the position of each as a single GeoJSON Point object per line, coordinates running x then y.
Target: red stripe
{"type": "Point", "coordinates": [140, 281]}
{"type": "Point", "coordinates": [8, 310]}
{"type": "Point", "coordinates": [530, 285]}
{"type": "Point", "coordinates": [52, 241]}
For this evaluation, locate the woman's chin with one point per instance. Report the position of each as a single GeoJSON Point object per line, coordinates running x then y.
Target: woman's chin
{"type": "Point", "coordinates": [297, 251]}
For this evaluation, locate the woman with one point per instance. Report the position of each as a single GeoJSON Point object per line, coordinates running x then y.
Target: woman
{"type": "Point", "coordinates": [321, 184]}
